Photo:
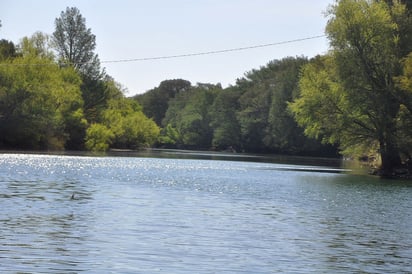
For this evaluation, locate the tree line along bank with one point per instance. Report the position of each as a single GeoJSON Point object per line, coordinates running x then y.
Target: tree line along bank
{"type": "Point", "coordinates": [356, 99]}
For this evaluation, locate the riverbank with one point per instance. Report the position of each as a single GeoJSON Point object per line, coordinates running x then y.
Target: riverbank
{"type": "Point", "coordinates": [403, 172]}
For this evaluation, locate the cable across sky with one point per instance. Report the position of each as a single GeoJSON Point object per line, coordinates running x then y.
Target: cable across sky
{"type": "Point", "coordinates": [187, 54]}
{"type": "Point", "coordinates": [212, 52]}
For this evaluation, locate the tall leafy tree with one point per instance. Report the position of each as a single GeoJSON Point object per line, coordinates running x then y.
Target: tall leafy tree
{"type": "Point", "coordinates": [75, 43]}
{"type": "Point", "coordinates": [350, 97]}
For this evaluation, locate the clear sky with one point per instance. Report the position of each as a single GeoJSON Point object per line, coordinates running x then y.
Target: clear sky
{"type": "Point", "coordinates": [129, 29]}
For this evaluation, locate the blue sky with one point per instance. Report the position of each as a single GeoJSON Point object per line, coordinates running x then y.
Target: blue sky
{"type": "Point", "coordinates": [129, 29]}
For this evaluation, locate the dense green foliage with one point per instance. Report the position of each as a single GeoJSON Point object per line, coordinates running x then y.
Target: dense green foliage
{"type": "Point", "coordinates": [155, 102]}
{"type": "Point", "coordinates": [65, 101]}
{"type": "Point", "coordinates": [123, 125]}
{"type": "Point", "coordinates": [251, 116]}
{"type": "Point", "coordinates": [7, 50]}
{"type": "Point", "coordinates": [40, 103]}
{"type": "Point", "coordinates": [265, 122]}
{"type": "Point", "coordinates": [189, 113]}
{"type": "Point", "coordinates": [351, 97]}
{"type": "Point", "coordinates": [357, 97]}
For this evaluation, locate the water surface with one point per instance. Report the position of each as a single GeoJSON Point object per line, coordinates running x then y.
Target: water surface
{"type": "Point", "coordinates": [71, 214]}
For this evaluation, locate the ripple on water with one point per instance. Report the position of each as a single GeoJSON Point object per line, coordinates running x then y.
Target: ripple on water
{"type": "Point", "coordinates": [167, 215]}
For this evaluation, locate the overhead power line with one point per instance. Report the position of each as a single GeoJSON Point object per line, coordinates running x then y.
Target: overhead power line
{"type": "Point", "coordinates": [185, 55]}
{"type": "Point", "coordinates": [212, 52]}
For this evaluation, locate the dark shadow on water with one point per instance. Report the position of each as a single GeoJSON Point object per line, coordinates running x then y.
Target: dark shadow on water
{"type": "Point", "coordinates": [292, 163]}
{"type": "Point", "coordinates": [227, 156]}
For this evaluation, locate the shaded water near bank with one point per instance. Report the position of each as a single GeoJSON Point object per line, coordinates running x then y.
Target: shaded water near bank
{"type": "Point", "coordinates": [161, 213]}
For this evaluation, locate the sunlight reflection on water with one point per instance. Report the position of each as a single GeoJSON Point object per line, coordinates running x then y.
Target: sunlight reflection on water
{"type": "Point", "coordinates": [131, 214]}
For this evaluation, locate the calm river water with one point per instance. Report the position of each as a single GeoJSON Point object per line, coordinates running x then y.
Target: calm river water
{"type": "Point", "coordinates": [71, 214]}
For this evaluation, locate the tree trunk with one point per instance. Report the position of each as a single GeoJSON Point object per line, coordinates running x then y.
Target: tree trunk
{"type": "Point", "coordinates": [390, 159]}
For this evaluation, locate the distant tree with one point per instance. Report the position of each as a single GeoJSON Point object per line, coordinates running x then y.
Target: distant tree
{"type": "Point", "coordinates": [253, 114]}
{"type": "Point", "coordinates": [75, 43]}
{"type": "Point", "coordinates": [282, 133]}
{"type": "Point", "coordinates": [189, 116]}
{"type": "Point", "coordinates": [98, 138]}
{"type": "Point", "coordinates": [265, 91]}
{"type": "Point", "coordinates": [131, 128]}
{"type": "Point", "coordinates": [38, 45]}
{"type": "Point", "coordinates": [123, 125]}
{"type": "Point", "coordinates": [156, 101]}
{"type": "Point", "coordinates": [169, 137]}
{"type": "Point", "coordinates": [97, 94]}
{"type": "Point", "coordinates": [266, 124]}
{"type": "Point", "coordinates": [226, 128]}
{"type": "Point", "coordinates": [7, 50]}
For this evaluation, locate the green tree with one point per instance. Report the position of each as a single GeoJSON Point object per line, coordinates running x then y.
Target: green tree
{"type": "Point", "coordinates": [319, 109]}
{"type": "Point", "coordinates": [404, 82]}
{"type": "Point", "coordinates": [169, 136]}
{"type": "Point", "coordinates": [98, 138]}
{"type": "Point", "coordinates": [7, 50]}
{"type": "Point", "coordinates": [123, 125]}
{"type": "Point", "coordinates": [282, 133]}
{"type": "Point", "coordinates": [38, 99]}
{"type": "Point", "coordinates": [97, 94]}
{"type": "Point", "coordinates": [38, 44]}
{"type": "Point", "coordinates": [350, 96]}
{"type": "Point", "coordinates": [156, 101]}
{"type": "Point", "coordinates": [254, 107]}
{"type": "Point", "coordinates": [131, 128]}
{"type": "Point", "coordinates": [75, 43]}
{"type": "Point", "coordinates": [265, 122]}
{"type": "Point", "coordinates": [226, 128]}
{"type": "Point", "coordinates": [189, 115]}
